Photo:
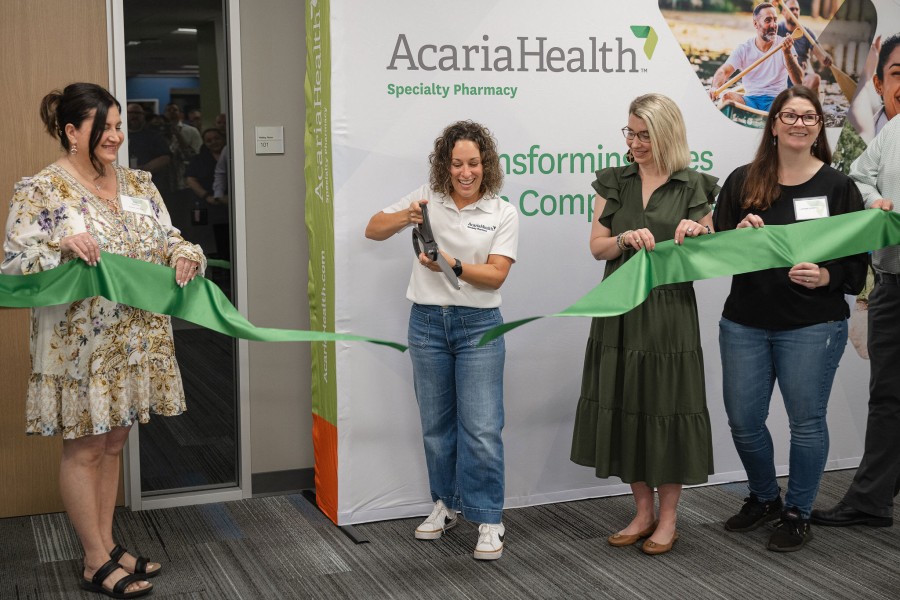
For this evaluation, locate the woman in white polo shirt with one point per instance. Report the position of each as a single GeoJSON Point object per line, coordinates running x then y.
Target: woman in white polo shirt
{"type": "Point", "coordinates": [459, 385]}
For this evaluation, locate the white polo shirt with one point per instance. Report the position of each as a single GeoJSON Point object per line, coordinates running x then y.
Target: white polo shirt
{"type": "Point", "coordinates": [767, 79]}
{"type": "Point", "coordinates": [489, 226]}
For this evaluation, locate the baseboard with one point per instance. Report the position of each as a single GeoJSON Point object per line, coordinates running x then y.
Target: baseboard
{"type": "Point", "coordinates": [277, 483]}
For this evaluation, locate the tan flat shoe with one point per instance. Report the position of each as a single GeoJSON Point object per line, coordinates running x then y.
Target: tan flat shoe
{"type": "Point", "coordinates": [622, 539]}
{"type": "Point", "coordinates": [652, 548]}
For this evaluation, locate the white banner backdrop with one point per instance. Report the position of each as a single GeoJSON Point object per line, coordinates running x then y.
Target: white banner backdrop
{"type": "Point", "coordinates": [564, 74]}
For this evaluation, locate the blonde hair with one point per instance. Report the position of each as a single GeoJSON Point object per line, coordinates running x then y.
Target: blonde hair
{"type": "Point", "coordinates": [668, 134]}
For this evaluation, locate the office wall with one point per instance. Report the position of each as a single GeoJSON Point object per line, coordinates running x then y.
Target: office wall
{"type": "Point", "coordinates": [272, 59]}
{"type": "Point", "coordinates": [30, 67]}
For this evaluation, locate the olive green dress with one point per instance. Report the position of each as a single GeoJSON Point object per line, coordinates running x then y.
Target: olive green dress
{"type": "Point", "coordinates": [642, 413]}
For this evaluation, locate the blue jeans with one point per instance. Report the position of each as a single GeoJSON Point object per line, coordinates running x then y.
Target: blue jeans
{"type": "Point", "coordinates": [804, 361]}
{"type": "Point", "coordinates": [459, 387]}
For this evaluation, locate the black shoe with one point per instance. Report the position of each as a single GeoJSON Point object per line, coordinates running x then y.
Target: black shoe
{"type": "Point", "coordinates": [754, 513]}
{"type": "Point", "coordinates": [791, 532]}
{"type": "Point", "coordinates": [841, 515]}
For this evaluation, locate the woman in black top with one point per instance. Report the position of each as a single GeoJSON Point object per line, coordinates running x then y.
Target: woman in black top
{"type": "Point", "coordinates": [785, 324]}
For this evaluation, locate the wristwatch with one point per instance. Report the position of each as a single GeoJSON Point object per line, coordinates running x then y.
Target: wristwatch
{"type": "Point", "coordinates": [457, 268]}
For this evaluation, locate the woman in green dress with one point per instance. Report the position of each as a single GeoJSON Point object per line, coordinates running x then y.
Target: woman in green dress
{"type": "Point", "coordinates": [642, 413]}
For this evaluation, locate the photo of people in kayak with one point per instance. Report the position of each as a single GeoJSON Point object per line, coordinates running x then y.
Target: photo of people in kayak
{"type": "Point", "coordinates": [746, 52]}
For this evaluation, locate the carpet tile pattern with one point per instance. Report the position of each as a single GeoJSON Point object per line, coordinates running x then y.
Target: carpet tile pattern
{"type": "Point", "coordinates": [283, 547]}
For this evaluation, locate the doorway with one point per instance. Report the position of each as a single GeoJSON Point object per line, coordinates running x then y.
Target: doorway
{"type": "Point", "coordinates": [177, 95]}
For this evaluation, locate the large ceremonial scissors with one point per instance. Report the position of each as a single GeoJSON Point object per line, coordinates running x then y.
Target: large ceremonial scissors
{"type": "Point", "coordinates": [422, 235]}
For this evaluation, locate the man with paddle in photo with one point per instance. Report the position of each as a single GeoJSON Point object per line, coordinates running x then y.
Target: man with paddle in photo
{"type": "Point", "coordinates": [763, 69]}
{"type": "Point", "coordinates": [790, 10]}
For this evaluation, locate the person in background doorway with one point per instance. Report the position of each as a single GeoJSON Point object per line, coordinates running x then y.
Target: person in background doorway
{"type": "Point", "coordinates": [189, 134]}
{"type": "Point", "coordinates": [147, 149]}
{"type": "Point", "coordinates": [201, 178]}
{"type": "Point", "coordinates": [194, 118]}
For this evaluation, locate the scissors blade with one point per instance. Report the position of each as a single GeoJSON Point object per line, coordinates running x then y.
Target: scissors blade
{"type": "Point", "coordinates": [448, 270]}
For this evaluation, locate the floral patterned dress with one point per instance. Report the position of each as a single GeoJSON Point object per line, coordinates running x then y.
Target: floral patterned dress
{"type": "Point", "coordinates": [95, 364]}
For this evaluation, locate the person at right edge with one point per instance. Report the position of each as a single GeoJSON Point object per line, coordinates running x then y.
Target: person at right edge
{"type": "Point", "coordinates": [785, 324]}
{"type": "Point", "coordinates": [870, 499]}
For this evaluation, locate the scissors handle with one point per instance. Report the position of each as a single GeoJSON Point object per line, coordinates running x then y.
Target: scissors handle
{"type": "Point", "coordinates": [424, 242]}
{"type": "Point", "coordinates": [423, 235]}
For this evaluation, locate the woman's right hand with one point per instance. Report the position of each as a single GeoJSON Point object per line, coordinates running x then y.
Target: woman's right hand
{"type": "Point", "coordinates": [414, 214]}
{"type": "Point", "coordinates": [640, 238]}
{"type": "Point", "coordinates": [751, 220]}
{"type": "Point", "coordinates": [82, 245]}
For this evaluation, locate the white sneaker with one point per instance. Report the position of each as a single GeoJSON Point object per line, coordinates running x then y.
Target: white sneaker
{"type": "Point", "coordinates": [490, 541]}
{"type": "Point", "coordinates": [440, 520]}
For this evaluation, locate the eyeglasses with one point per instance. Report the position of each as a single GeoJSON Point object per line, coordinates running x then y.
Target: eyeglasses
{"type": "Point", "coordinates": [789, 118]}
{"type": "Point", "coordinates": [630, 134]}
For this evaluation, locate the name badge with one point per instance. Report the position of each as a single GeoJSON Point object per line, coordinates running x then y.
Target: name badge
{"type": "Point", "coordinates": [140, 206]}
{"type": "Point", "coordinates": [811, 208]}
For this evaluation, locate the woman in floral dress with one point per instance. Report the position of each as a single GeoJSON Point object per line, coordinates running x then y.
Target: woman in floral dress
{"type": "Point", "coordinates": [97, 367]}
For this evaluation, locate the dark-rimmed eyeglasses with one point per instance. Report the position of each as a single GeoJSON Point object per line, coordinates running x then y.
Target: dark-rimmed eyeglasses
{"type": "Point", "coordinates": [789, 118]}
{"type": "Point", "coordinates": [630, 134]}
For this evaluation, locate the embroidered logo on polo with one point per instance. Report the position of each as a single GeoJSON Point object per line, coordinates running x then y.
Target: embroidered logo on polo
{"type": "Point", "coordinates": [480, 227]}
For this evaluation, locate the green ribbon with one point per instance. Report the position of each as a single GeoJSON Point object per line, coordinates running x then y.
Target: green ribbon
{"type": "Point", "coordinates": [151, 287]}
{"type": "Point", "coordinates": [728, 253]}
{"type": "Point", "coordinates": [218, 262]}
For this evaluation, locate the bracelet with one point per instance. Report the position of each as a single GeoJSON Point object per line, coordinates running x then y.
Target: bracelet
{"type": "Point", "coordinates": [620, 239]}
{"type": "Point", "coordinates": [708, 230]}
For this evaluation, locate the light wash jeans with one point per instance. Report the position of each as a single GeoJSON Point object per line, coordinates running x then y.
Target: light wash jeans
{"type": "Point", "coordinates": [459, 387]}
{"type": "Point", "coordinates": [804, 361]}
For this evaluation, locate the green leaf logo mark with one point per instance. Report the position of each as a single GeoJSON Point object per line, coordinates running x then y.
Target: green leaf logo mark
{"type": "Point", "coordinates": [646, 32]}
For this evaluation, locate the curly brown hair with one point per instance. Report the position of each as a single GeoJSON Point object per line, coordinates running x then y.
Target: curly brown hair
{"type": "Point", "coordinates": [440, 158]}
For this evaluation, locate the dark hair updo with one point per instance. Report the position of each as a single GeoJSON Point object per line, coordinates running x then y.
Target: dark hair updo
{"type": "Point", "coordinates": [73, 105]}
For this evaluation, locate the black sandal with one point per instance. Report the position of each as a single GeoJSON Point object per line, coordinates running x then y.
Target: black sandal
{"type": "Point", "coordinates": [118, 590]}
{"type": "Point", "coordinates": [140, 565]}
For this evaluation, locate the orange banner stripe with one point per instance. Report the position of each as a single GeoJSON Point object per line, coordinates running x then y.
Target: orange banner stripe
{"type": "Point", "coordinates": [325, 448]}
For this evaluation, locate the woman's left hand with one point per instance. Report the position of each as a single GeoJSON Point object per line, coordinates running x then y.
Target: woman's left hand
{"type": "Point", "coordinates": [185, 271]}
{"type": "Point", "coordinates": [809, 275]}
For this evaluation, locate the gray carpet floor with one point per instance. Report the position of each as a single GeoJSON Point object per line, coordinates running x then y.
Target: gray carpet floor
{"type": "Point", "coordinates": [283, 547]}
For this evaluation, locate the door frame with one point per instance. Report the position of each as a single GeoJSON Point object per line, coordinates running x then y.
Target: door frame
{"type": "Point", "coordinates": [234, 100]}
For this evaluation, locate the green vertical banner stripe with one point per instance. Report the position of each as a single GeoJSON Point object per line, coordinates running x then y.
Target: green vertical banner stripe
{"type": "Point", "coordinates": [320, 205]}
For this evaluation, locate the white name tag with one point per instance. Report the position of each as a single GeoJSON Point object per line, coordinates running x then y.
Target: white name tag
{"type": "Point", "coordinates": [140, 206]}
{"type": "Point", "coordinates": [811, 208]}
